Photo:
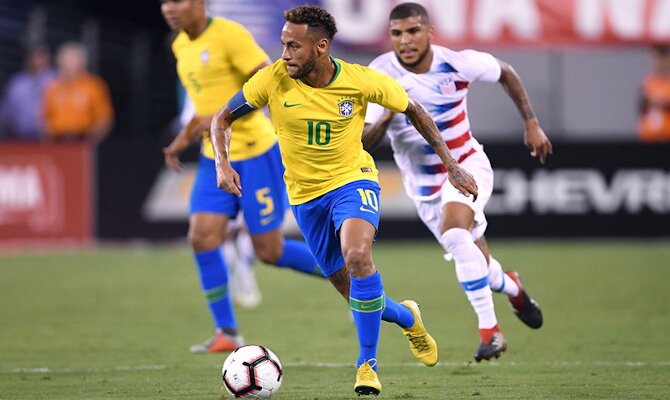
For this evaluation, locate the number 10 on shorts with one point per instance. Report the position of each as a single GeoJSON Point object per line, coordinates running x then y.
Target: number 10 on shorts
{"type": "Point", "coordinates": [369, 199]}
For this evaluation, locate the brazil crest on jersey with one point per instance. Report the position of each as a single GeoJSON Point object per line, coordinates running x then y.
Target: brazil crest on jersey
{"type": "Point", "coordinates": [319, 129]}
{"type": "Point", "coordinates": [212, 68]}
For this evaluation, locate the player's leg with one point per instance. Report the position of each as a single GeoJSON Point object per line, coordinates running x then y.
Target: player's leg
{"type": "Point", "coordinates": [509, 283]}
{"type": "Point", "coordinates": [239, 255]}
{"type": "Point", "coordinates": [264, 204]}
{"type": "Point", "coordinates": [210, 212]}
{"type": "Point", "coordinates": [498, 280]}
{"type": "Point", "coordinates": [393, 312]}
{"type": "Point", "coordinates": [406, 314]}
{"type": "Point", "coordinates": [272, 248]}
{"type": "Point", "coordinates": [320, 221]}
{"type": "Point", "coordinates": [460, 215]}
{"type": "Point", "coordinates": [366, 294]}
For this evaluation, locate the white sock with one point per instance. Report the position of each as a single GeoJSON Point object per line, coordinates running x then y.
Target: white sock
{"type": "Point", "coordinates": [472, 273]}
{"type": "Point", "coordinates": [245, 248]}
{"type": "Point", "coordinates": [499, 280]}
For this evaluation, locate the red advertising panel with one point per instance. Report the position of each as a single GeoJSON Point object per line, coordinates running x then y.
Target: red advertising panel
{"type": "Point", "coordinates": [45, 193]}
{"type": "Point", "coordinates": [471, 23]}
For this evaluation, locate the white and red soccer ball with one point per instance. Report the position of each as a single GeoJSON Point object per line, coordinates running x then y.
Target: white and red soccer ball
{"type": "Point", "coordinates": [252, 372]}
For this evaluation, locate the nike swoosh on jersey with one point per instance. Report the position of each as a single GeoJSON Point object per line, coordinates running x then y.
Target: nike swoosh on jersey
{"type": "Point", "coordinates": [367, 210]}
{"type": "Point", "coordinates": [286, 105]}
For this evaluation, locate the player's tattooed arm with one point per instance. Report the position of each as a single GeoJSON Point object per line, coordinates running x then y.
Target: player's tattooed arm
{"type": "Point", "coordinates": [424, 123]}
{"type": "Point", "coordinates": [373, 133]}
{"type": "Point", "coordinates": [534, 137]}
{"type": "Point", "coordinates": [221, 131]}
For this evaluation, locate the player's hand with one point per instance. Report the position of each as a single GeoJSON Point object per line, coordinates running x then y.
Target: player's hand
{"type": "Point", "coordinates": [463, 181]}
{"type": "Point", "coordinates": [536, 140]}
{"type": "Point", "coordinates": [228, 179]}
{"type": "Point", "coordinates": [172, 159]}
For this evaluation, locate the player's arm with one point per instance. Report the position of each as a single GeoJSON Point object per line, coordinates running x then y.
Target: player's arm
{"type": "Point", "coordinates": [193, 131]}
{"type": "Point", "coordinates": [221, 131]}
{"type": "Point", "coordinates": [374, 132]}
{"type": "Point", "coordinates": [424, 123]}
{"type": "Point", "coordinates": [534, 137]}
{"type": "Point", "coordinates": [190, 133]}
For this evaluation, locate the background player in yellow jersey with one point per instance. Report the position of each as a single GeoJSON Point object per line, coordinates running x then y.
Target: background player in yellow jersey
{"type": "Point", "coordinates": [215, 57]}
{"type": "Point", "coordinates": [318, 105]}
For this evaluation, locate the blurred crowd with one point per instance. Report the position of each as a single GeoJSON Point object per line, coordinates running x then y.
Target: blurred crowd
{"type": "Point", "coordinates": [43, 103]}
{"type": "Point", "coordinates": [654, 124]}
{"type": "Point", "coordinates": [68, 102]}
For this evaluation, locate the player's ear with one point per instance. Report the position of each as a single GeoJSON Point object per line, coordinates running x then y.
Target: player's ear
{"type": "Point", "coordinates": [431, 31]}
{"type": "Point", "coordinates": [323, 46]}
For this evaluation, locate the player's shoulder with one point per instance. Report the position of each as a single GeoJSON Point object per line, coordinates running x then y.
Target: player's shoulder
{"type": "Point", "coordinates": [459, 60]}
{"type": "Point", "coordinates": [179, 41]}
{"type": "Point", "coordinates": [277, 69]}
{"type": "Point", "coordinates": [227, 26]}
{"type": "Point", "coordinates": [442, 53]}
{"type": "Point", "coordinates": [383, 62]}
{"type": "Point", "coordinates": [356, 71]}
{"type": "Point", "coordinates": [271, 76]}
{"type": "Point", "coordinates": [464, 56]}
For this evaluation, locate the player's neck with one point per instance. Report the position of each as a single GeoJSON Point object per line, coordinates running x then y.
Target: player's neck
{"type": "Point", "coordinates": [197, 27]}
{"type": "Point", "coordinates": [322, 74]}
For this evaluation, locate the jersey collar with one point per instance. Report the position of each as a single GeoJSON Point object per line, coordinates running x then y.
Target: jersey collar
{"type": "Point", "coordinates": [338, 68]}
{"type": "Point", "coordinates": [209, 23]}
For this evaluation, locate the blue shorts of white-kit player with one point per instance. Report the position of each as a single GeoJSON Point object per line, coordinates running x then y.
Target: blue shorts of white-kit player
{"type": "Point", "coordinates": [320, 219]}
{"type": "Point", "coordinates": [264, 200]}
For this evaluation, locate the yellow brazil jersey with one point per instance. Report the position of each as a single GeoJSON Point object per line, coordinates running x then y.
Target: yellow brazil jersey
{"type": "Point", "coordinates": [319, 129]}
{"type": "Point", "coordinates": [212, 68]}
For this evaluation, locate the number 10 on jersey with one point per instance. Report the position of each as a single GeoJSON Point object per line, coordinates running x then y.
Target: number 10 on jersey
{"type": "Point", "coordinates": [318, 133]}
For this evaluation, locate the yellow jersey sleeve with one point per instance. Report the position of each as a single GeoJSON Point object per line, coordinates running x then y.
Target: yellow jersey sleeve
{"type": "Point", "coordinates": [242, 50]}
{"type": "Point", "coordinates": [381, 89]}
{"type": "Point", "coordinates": [258, 88]}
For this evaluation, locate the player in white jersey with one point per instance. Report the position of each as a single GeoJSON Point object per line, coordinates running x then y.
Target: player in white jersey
{"type": "Point", "coordinates": [439, 78]}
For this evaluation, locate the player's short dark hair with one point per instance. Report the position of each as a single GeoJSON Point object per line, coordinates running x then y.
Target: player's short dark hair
{"type": "Point", "coordinates": [316, 18]}
{"type": "Point", "coordinates": [406, 10]}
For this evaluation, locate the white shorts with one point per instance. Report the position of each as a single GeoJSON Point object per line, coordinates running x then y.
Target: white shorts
{"type": "Point", "coordinates": [430, 211]}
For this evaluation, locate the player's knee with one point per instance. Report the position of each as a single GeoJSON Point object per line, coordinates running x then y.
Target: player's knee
{"type": "Point", "coordinates": [269, 253]}
{"type": "Point", "coordinates": [201, 240]}
{"type": "Point", "coordinates": [358, 259]}
{"type": "Point", "coordinates": [453, 238]}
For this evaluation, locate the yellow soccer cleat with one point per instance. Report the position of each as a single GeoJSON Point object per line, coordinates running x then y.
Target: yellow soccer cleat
{"type": "Point", "coordinates": [367, 382]}
{"type": "Point", "coordinates": [423, 345]}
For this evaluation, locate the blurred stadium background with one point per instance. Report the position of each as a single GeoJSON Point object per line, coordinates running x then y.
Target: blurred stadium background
{"type": "Point", "coordinates": [582, 62]}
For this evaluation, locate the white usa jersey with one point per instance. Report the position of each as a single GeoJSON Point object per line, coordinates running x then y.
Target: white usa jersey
{"type": "Point", "coordinates": [442, 91]}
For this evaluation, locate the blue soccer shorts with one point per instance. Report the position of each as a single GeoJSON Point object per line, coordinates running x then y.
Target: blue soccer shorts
{"type": "Point", "coordinates": [263, 202]}
{"type": "Point", "coordinates": [320, 219]}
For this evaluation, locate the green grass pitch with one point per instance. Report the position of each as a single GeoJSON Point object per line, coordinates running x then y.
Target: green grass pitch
{"type": "Point", "coordinates": [116, 323]}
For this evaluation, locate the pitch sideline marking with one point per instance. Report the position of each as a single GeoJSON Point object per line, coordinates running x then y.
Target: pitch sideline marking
{"type": "Point", "coordinates": [40, 370]}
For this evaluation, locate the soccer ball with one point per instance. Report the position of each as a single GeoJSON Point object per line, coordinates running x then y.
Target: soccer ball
{"type": "Point", "coordinates": [252, 372]}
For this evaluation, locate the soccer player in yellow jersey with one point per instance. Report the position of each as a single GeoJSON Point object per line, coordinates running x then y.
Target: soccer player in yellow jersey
{"type": "Point", "coordinates": [317, 104]}
{"type": "Point", "coordinates": [215, 57]}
